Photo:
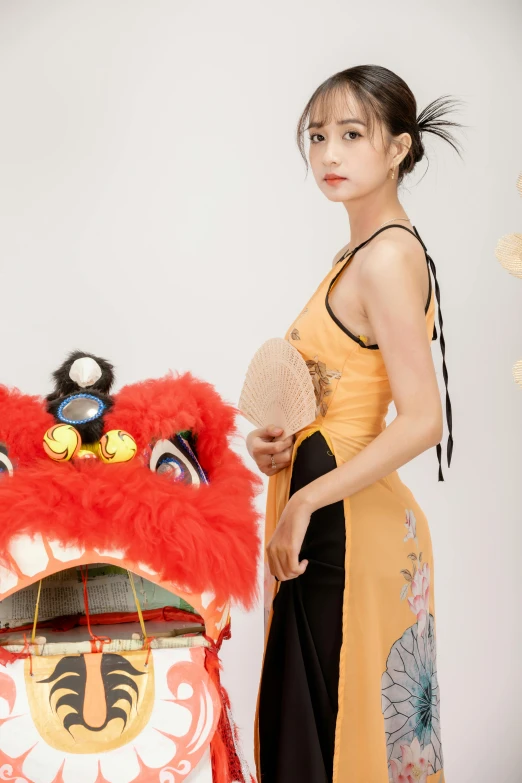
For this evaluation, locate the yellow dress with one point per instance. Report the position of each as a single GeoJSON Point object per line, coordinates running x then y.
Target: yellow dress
{"type": "Point", "coordinates": [388, 714]}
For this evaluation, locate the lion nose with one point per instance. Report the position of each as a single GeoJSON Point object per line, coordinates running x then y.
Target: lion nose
{"type": "Point", "coordinates": [86, 453]}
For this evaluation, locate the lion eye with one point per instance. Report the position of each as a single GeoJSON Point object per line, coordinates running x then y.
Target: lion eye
{"type": "Point", "coordinates": [171, 460]}
{"type": "Point", "coordinates": [6, 466]}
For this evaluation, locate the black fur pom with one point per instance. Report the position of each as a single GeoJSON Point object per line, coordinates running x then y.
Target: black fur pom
{"type": "Point", "coordinates": [64, 385]}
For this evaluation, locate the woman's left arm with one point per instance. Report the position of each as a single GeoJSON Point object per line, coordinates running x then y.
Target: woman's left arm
{"type": "Point", "coordinates": [393, 300]}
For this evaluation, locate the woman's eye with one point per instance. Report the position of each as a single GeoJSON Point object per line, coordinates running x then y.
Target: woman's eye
{"type": "Point", "coordinates": [167, 459]}
{"type": "Point", "coordinates": [314, 135]}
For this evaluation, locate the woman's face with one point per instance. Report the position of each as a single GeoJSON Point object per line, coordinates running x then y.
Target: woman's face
{"type": "Point", "coordinates": [342, 148]}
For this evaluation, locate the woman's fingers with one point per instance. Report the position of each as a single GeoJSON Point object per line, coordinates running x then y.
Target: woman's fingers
{"type": "Point", "coordinates": [281, 460]}
{"type": "Point", "coordinates": [285, 564]}
{"type": "Point", "coordinates": [263, 445]}
{"type": "Point", "coordinates": [291, 565]}
{"type": "Point", "coordinates": [272, 446]}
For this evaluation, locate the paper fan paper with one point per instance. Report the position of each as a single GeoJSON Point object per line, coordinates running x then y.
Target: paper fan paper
{"type": "Point", "coordinates": [278, 388]}
{"type": "Point", "coordinates": [517, 372]}
{"type": "Point", "coordinates": [509, 252]}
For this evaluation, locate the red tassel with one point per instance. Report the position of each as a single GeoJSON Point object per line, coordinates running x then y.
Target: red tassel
{"type": "Point", "coordinates": [226, 766]}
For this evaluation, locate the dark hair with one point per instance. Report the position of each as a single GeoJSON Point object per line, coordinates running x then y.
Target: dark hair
{"type": "Point", "coordinates": [386, 98]}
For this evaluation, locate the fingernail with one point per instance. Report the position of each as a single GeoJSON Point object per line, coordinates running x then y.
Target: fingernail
{"type": "Point", "coordinates": [277, 430]}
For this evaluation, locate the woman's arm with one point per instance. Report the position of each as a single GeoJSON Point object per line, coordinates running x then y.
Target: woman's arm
{"type": "Point", "coordinates": [393, 299]}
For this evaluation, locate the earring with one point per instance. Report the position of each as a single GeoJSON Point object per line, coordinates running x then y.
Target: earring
{"type": "Point", "coordinates": [392, 173]}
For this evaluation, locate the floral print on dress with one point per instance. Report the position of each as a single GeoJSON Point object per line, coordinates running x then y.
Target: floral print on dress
{"type": "Point", "coordinates": [294, 334]}
{"type": "Point", "coordinates": [321, 376]}
{"type": "Point", "coordinates": [409, 686]}
{"type": "Point", "coordinates": [411, 525]}
{"type": "Point", "coordinates": [415, 764]}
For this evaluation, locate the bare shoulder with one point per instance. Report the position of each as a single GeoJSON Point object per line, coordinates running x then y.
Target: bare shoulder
{"type": "Point", "coordinates": [394, 259]}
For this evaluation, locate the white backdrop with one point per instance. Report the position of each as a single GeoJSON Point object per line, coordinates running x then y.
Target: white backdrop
{"type": "Point", "coordinates": [154, 210]}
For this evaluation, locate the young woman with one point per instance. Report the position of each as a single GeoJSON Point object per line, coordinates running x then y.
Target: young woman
{"type": "Point", "coordinates": [349, 688]}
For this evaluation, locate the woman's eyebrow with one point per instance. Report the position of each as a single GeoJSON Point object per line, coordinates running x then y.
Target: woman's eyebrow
{"type": "Point", "coordinates": [339, 122]}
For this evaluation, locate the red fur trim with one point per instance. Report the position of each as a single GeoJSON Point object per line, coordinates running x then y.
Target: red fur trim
{"type": "Point", "coordinates": [202, 538]}
{"type": "Point", "coordinates": [158, 408]}
{"type": "Point", "coordinates": [23, 423]}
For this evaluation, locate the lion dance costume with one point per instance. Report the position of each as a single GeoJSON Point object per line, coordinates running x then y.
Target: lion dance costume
{"type": "Point", "coordinates": [127, 529]}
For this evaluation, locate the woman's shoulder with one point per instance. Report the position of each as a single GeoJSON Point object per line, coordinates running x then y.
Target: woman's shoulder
{"type": "Point", "coordinates": [340, 254]}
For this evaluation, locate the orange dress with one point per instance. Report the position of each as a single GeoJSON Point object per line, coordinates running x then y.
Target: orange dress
{"type": "Point", "coordinates": [388, 721]}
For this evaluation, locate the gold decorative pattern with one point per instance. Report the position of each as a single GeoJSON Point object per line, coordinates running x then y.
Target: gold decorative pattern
{"type": "Point", "coordinates": [85, 722]}
{"type": "Point", "coordinates": [321, 376]}
{"type": "Point", "coordinates": [294, 334]}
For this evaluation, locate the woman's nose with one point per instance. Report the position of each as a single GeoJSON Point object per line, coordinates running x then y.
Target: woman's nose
{"type": "Point", "coordinates": [331, 155]}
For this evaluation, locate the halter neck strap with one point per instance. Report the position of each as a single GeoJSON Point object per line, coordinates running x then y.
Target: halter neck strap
{"type": "Point", "coordinates": [449, 417]}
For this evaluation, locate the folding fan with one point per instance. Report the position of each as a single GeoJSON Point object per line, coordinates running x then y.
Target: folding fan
{"type": "Point", "coordinates": [278, 389]}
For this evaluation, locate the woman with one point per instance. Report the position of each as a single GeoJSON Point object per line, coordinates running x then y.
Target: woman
{"type": "Point", "coordinates": [349, 689]}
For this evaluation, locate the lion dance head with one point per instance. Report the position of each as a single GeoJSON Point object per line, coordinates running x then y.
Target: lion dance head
{"type": "Point", "coordinates": [127, 530]}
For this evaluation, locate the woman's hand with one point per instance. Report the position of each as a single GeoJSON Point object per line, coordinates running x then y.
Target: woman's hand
{"type": "Point", "coordinates": [283, 548]}
{"type": "Point", "coordinates": [263, 443]}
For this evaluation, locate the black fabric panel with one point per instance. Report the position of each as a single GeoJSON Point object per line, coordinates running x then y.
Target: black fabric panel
{"type": "Point", "coordinates": [298, 695]}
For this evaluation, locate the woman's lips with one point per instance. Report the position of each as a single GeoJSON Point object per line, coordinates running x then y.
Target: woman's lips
{"type": "Point", "coordinates": [334, 180]}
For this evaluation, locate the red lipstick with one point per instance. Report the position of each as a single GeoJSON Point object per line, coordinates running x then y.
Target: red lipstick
{"type": "Point", "coordinates": [332, 179]}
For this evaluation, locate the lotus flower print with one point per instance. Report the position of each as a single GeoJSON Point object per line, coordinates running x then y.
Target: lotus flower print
{"type": "Point", "coordinates": [410, 704]}
{"type": "Point", "coordinates": [409, 687]}
{"type": "Point", "coordinates": [419, 604]}
{"type": "Point", "coordinates": [416, 763]}
{"type": "Point", "coordinates": [411, 525]}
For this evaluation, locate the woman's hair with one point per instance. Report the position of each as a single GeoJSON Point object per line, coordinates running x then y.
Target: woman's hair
{"type": "Point", "coordinates": [385, 98]}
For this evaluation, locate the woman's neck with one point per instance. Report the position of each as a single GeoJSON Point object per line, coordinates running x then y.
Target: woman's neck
{"type": "Point", "coordinates": [366, 216]}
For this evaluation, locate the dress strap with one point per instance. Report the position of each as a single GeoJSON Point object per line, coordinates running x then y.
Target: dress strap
{"type": "Point", "coordinates": [449, 417]}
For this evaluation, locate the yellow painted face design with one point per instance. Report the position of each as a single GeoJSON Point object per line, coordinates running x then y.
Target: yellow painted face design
{"type": "Point", "coordinates": [90, 703]}
{"type": "Point", "coordinates": [63, 442]}
{"type": "Point", "coordinates": [117, 446]}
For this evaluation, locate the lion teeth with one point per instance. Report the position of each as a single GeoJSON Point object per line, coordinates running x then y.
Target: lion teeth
{"type": "Point", "coordinates": [206, 598]}
{"type": "Point", "coordinates": [29, 554]}
{"type": "Point", "coordinates": [8, 579]}
{"type": "Point", "coordinates": [117, 554]}
{"type": "Point", "coordinates": [147, 569]}
{"type": "Point", "coordinates": [65, 553]}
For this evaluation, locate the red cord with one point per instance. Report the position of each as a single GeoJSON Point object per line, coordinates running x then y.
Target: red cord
{"type": "Point", "coordinates": [97, 642]}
